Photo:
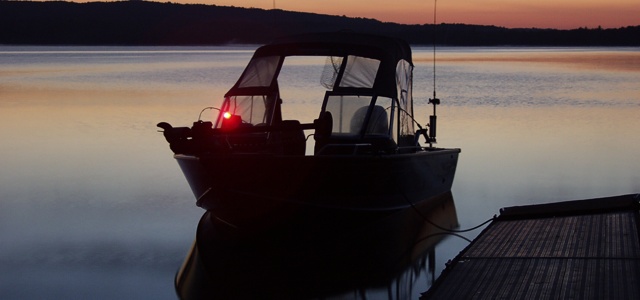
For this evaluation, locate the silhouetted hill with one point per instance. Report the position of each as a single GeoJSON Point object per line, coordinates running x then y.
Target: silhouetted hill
{"type": "Point", "coordinates": [153, 23]}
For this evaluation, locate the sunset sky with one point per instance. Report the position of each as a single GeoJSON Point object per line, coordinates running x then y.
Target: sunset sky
{"type": "Point", "coordinates": [560, 14]}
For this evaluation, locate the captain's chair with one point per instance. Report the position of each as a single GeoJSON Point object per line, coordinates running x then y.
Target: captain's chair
{"type": "Point", "coordinates": [378, 123]}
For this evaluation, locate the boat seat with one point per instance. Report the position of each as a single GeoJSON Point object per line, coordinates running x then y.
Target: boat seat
{"type": "Point", "coordinates": [378, 122]}
{"type": "Point", "coordinates": [292, 138]}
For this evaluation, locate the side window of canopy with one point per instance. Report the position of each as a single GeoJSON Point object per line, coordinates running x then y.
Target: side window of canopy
{"type": "Point", "coordinates": [360, 72]}
{"type": "Point", "coordinates": [260, 72]}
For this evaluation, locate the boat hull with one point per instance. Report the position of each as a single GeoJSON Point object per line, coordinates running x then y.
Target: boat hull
{"type": "Point", "coordinates": [244, 189]}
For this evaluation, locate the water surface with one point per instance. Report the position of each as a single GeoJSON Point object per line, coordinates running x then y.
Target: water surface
{"type": "Point", "coordinates": [92, 205]}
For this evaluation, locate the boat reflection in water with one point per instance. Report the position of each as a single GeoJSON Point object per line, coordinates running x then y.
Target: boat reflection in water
{"type": "Point", "coordinates": [359, 259]}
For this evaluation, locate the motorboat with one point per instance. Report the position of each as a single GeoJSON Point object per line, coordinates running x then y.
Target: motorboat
{"type": "Point", "coordinates": [254, 167]}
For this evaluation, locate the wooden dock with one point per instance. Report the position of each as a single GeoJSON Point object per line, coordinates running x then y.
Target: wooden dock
{"type": "Point", "coordinates": [584, 249]}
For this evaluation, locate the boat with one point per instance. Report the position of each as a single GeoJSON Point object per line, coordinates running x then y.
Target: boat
{"type": "Point", "coordinates": [253, 167]}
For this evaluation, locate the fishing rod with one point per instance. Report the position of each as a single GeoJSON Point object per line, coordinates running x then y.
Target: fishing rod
{"type": "Point", "coordinates": [435, 101]}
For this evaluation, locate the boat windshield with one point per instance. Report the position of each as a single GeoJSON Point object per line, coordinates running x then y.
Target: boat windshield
{"type": "Point", "coordinates": [251, 110]}
{"type": "Point", "coordinates": [354, 115]}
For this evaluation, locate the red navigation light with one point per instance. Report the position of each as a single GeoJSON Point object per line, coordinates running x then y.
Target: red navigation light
{"type": "Point", "coordinates": [230, 121]}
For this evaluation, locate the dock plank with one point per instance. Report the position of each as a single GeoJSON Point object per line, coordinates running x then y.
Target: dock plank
{"type": "Point", "coordinates": [587, 249]}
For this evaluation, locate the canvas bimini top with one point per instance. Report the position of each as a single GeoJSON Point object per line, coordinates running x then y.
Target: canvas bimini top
{"type": "Point", "coordinates": [359, 65]}
{"type": "Point", "coordinates": [388, 52]}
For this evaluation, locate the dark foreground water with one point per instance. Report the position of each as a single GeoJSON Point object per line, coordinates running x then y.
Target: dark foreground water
{"type": "Point", "coordinates": [92, 205]}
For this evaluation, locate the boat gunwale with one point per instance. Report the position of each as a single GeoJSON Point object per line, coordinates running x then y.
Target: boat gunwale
{"type": "Point", "coordinates": [425, 152]}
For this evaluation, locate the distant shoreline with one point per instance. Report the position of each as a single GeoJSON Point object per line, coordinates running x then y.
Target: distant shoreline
{"type": "Point", "coordinates": [8, 48]}
{"type": "Point", "coordinates": [140, 23]}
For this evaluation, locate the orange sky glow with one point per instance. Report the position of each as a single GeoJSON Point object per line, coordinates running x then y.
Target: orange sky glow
{"type": "Point", "coordinates": [559, 14]}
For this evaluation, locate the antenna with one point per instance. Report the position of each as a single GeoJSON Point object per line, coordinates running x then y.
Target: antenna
{"type": "Point", "coordinates": [435, 101]}
{"type": "Point", "coordinates": [435, 2]}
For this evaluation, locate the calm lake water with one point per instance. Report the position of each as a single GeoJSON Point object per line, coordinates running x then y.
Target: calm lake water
{"type": "Point", "coordinates": [93, 206]}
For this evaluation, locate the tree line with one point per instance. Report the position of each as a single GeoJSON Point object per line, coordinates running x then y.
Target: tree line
{"type": "Point", "coordinates": [155, 23]}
